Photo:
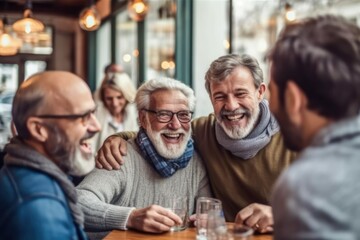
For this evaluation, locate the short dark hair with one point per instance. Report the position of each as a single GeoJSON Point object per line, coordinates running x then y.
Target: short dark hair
{"type": "Point", "coordinates": [110, 68]}
{"type": "Point", "coordinates": [322, 56]}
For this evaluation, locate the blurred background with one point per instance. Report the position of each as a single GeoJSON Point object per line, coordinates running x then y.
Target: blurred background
{"type": "Point", "coordinates": [174, 38]}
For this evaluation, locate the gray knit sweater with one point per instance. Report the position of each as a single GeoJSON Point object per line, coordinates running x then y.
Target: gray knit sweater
{"type": "Point", "coordinates": [108, 197]}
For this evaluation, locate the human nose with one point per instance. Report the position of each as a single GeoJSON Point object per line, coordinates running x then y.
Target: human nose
{"type": "Point", "coordinates": [231, 103]}
{"type": "Point", "coordinates": [174, 122]}
{"type": "Point", "coordinates": [113, 102]}
{"type": "Point", "coordinates": [94, 125]}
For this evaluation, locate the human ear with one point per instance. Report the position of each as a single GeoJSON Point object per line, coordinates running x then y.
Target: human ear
{"type": "Point", "coordinates": [261, 91]}
{"type": "Point", "coordinates": [37, 129]}
{"type": "Point", "coordinates": [295, 102]}
{"type": "Point", "coordinates": [142, 119]}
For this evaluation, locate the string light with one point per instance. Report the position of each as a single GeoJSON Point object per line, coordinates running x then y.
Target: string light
{"type": "Point", "coordinates": [137, 9]}
{"type": "Point", "coordinates": [89, 18]}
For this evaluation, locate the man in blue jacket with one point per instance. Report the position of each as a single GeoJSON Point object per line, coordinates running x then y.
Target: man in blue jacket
{"type": "Point", "coordinates": [53, 115]}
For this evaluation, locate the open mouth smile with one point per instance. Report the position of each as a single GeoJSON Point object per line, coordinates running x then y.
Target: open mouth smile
{"type": "Point", "coordinates": [235, 117]}
{"type": "Point", "coordinates": [174, 138]}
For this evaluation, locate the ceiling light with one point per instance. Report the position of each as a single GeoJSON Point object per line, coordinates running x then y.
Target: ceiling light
{"type": "Point", "coordinates": [290, 14]}
{"type": "Point", "coordinates": [8, 44]}
{"type": "Point", "coordinates": [137, 9]}
{"type": "Point", "coordinates": [28, 24]}
{"type": "Point", "coordinates": [89, 18]}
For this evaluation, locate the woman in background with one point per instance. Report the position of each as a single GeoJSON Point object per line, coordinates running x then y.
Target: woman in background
{"type": "Point", "coordinates": [116, 111]}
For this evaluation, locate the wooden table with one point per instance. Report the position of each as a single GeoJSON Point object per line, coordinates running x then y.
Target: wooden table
{"type": "Point", "coordinates": [187, 234]}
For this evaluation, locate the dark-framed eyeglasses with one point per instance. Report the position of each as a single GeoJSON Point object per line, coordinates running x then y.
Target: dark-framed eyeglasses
{"type": "Point", "coordinates": [165, 116]}
{"type": "Point", "coordinates": [85, 117]}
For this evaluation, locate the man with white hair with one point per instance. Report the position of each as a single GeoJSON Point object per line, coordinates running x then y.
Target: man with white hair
{"type": "Point", "coordinates": [240, 142]}
{"type": "Point", "coordinates": [160, 159]}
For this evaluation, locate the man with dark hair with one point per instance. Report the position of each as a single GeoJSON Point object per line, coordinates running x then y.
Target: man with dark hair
{"type": "Point", "coordinates": [315, 96]}
{"type": "Point", "coordinates": [53, 113]}
{"type": "Point", "coordinates": [240, 142]}
{"type": "Point", "coordinates": [113, 68]}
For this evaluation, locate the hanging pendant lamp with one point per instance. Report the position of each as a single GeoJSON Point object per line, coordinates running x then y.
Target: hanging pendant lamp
{"type": "Point", "coordinates": [28, 24]}
{"type": "Point", "coordinates": [8, 45]}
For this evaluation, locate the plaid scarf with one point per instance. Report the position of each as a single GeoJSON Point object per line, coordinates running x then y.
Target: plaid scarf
{"type": "Point", "coordinates": [165, 167]}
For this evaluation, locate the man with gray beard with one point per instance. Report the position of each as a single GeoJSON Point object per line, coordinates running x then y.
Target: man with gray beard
{"type": "Point", "coordinates": [240, 142]}
{"type": "Point", "coordinates": [160, 159]}
{"type": "Point", "coordinates": [53, 113]}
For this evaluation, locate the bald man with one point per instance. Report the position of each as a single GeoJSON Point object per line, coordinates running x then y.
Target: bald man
{"type": "Point", "coordinates": [53, 113]}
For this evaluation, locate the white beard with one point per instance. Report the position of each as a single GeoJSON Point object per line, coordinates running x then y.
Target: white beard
{"type": "Point", "coordinates": [169, 151]}
{"type": "Point", "coordinates": [82, 163]}
{"type": "Point", "coordinates": [238, 132]}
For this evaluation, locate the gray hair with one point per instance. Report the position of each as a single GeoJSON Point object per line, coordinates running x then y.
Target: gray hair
{"type": "Point", "coordinates": [222, 67]}
{"type": "Point", "coordinates": [142, 98]}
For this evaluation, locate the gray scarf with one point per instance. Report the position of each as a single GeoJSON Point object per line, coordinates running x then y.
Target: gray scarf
{"type": "Point", "coordinates": [258, 138]}
{"type": "Point", "coordinates": [19, 154]}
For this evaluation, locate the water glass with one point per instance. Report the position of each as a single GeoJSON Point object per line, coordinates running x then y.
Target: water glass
{"type": "Point", "coordinates": [180, 206]}
{"type": "Point", "coordinates": [207, 211]}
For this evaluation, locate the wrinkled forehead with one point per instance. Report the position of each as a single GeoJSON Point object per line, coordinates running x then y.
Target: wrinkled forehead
{"type": "Point", "coordinates": [168, 98]}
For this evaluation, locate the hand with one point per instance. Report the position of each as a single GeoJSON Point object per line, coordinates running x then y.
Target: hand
{"type": "Point", "coordinates": [154, 219]}
{"type": "Point", "coordinates": [110, 154]}
{"type": "Point", "coordinates": [192, 220]}
{"type": "Point", "coordinates": [257, 216]}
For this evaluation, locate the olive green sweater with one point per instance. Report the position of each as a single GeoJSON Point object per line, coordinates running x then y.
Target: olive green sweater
{"type": "Point", "coordinates": [235, 181]}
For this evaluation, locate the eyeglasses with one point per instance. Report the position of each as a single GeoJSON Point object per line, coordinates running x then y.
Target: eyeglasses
{"type": "Point", "coordinates": [165, 116]}
{"type": "Point", "coordinates": [85, 117]}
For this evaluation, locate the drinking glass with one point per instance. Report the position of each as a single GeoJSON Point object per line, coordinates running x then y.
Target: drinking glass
{"type": "Point", "coordinates": [208, 210]}
{"type": "Point", "coordinates": [180, 206]}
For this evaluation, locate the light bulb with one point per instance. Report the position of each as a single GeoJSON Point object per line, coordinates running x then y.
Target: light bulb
{"type": "Point", "coordinates": [290, 15]}
{"type": "Point", "coordinates": [137, 9]}
{"type": "Point", "coordinates": [89, 19]}
{"type": "Point", "coordinates": [5, 40]}
{"type": "Point", "coordinates": [8, 45]}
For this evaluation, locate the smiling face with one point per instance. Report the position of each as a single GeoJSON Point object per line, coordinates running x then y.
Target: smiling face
{"type": "Point", "coordinates": [169, 139]}
{"type": "Point", "coordinates": [236, 102]}
{"type": "Point", "coordinates": [65, 140]}
{"type": "Point", "coordinates": [114, 101]}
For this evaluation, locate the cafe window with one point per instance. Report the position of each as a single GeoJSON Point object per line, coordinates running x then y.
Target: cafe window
{"type": "Point", "coordinates": [103, 50]}
{"type": "Point", "coordinates": [160, 39]}
{"type": "Point", "coordinates": [9, 77]}
{"type": "Point", "coordinates": [127, 51]}
{"type": "Point", "coordinates": [32, 67]}
{"type": "Point", "coordinates": [38, 43]}
{"type": "Point", "coordinates": [256, 24]}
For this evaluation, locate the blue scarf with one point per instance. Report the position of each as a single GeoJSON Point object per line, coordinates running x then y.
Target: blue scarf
{"type": "Point", "coordinates": [165, 167]}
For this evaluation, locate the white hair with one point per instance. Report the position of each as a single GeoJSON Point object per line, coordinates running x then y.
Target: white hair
{"type": "Point", "coordinates": [142, 98]}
